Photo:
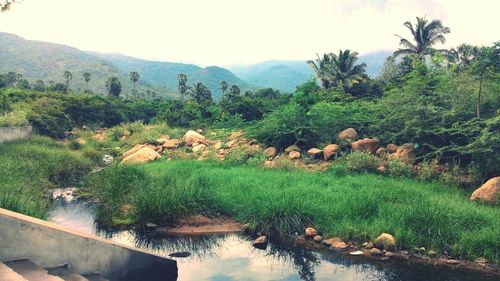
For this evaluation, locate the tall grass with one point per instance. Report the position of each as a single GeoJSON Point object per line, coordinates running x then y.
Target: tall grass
{"type": "Point", "coordinates": [354, 207]}
{"type": "Point", "coordinates": [29, 168]}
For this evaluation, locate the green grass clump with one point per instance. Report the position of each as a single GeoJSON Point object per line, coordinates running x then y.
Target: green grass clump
{"type": "Point", "coordinates": [354, 207]}
{"type": "Point", "coordinates": [29, 168]}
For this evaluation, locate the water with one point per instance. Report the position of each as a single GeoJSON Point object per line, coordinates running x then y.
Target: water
{"type": "Point", "coordinates": [232, 257]}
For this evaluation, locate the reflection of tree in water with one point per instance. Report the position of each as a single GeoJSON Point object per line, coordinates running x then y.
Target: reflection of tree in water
{"type": "Point", "coordinates": [304, 260]}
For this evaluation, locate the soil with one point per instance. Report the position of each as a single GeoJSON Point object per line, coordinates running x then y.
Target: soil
{"type": "Point", "coordinates": [201, 225]}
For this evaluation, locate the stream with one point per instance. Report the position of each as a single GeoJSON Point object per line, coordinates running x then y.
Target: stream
{"type": "Point", "coordinates": [232, 257]}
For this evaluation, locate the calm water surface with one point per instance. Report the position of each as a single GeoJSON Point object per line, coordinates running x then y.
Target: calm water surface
{"type": "Point", "coordinates": [232, 257]}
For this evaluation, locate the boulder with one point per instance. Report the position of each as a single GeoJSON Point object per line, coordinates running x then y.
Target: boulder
{"type": "Point", "coordinates": [162, 139]}
{"type": "Point", "coordinates": [136, 148]}
{"type": "Point", "coordinates": [329, 151]}
{"type": "Point", "coordinates": [192, 137]}
{"type": "Point", "coordinates": [367, 145]}
{"type": "Point", "coordinates": [489, 192]}
{"type": "Point", "coordinates": [311, 232]}
{"type": "Point", "coordinates": [271, 152]}
{"type": "Point", "coordinates": [171, 144]}
{"type": "Point", "coordinates": [218, 145]}
{"type": "Point", "coordinates": [143, 155]}
{"type": "Point", "coordinates": [385, 241]}
{"type": "Point", "coordinates": [330, 241]}
{"type": "Point", "coordinates": [199, 148]}
{"type": "Point", "coordinates": [81, 141]}
{"type": "Point", "coordinates": [348, 134]}
{"type": "Point", "coordinates": [293, 148]}
{"type": "Point", "coordinates": [199, 131]}
{"type": "Point", "coordinates": [405, 153]}
{"type": "Point", "coordinates": [381, 151]}
{"type": "Point", "coordinates": [260, 243]}
{"type": "Point", "coordinates": [314, 153]}
{"type": "Point", "coordinates": [338, 246]}
{"type": "Point", "coordinates": [294, 155]}
{"type": "Point", "coordinates": [317, 238]}
{"type": "Point", "coordinates": [376, 252]}
{"type": "Point", "coordinates": [270, 164]}
{"type": "Point", "coordinates": [392, 148]}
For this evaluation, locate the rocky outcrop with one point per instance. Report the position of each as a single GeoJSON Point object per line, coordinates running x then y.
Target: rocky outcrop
{"type": "Point", "coordinates": [405, 153]}
{"type": "Point", "coordinates": [136, 148]}
{"type": "Point", "coordinates": [348, 134]}
{"type": "Point", "coordinates": [143, 155]}
{"type": "Point", "coordinates": [192, 137]}
{"type": "Point", "coordinates": [366, 145]}
{"type": "Point", "coordinates": [171, 144]}
{"type": "Point", "coordinates": [489, 192]}
{"type": "Point", "coordinates": [330, 151]}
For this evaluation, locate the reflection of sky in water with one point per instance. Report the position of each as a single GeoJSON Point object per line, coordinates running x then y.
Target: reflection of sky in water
{"type": "Point", "coordinates": [231, 257]}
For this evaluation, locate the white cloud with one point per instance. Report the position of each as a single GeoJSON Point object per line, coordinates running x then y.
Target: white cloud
{"type": "Point", "coordinates": [236, 31]}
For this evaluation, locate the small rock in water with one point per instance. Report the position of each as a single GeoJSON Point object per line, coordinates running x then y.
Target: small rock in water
{"type": "Point", "coordinates": [375, 252]}
{"type": "Point", "coordinates": [389, 254]}
{"type": "Point", "coordinates": [311, 232]}
{"type": "Point", "coordinates": [180, 254]}
{"type": "Point", "coordinates": [356, 253]}
{"type": "Point", "coordinates": [260, 242]}
{"type": "Point", "coordinates": [317, 238]}
{"type": "Point", "coordinates": [338, 246]}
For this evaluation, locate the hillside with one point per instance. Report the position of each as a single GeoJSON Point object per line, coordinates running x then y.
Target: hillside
{"type": "Point", "coordinates": [165, 73]}
{"type": "Point", "coordinates": [286, 75]}
{"type": "Point", "coordinates": [48, 61]}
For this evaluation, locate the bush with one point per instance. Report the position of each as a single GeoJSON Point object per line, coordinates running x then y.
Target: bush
{"type": "Point", "coordinates": [399, 169]}
{"type": "Point", "coordinates": [361, 162]}
{"type": "Point", "coordinates": [13, 119]}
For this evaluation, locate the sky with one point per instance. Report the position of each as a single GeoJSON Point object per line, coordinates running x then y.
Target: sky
{"type": "Point", "coordinates": [229, 32]}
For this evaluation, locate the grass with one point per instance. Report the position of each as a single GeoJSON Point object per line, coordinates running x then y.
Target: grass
{"type": "Point", "coordinates": [29, 168]}
{"type": "Point", "coordinates": [353, 207]}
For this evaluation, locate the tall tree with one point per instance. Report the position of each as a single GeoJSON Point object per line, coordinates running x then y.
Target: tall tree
{"type": "Point", "coordinates": [134, 77]}
{"type": "Point", "coordinates": [86, 78]}
{"type": "Point", "coordinates": [182, 84]}
{"type": "Point", "coordinates": [487, 63]}
{"type": "Point", "coordinates": [323, 69]}
{"type": "Point", "coordinates": [200, 93]}
{"type": "Point", "coordinates": [223, 86]}
{"type": "Point", "coordinates": [425, 35]}
{"type": "Point", "coordinates": [235, 90]}
{"type": "Point", "coordinates": [462, 56]}
{"type": "Point", "coordinates": [114, 87]}
{"type": "Point", "coordinates": [68, 76]}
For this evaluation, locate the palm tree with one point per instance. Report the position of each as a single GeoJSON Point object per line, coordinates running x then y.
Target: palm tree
{"type": "Point", "coordinates": [338, 70]}
{"type": "Point", "coordinates": [68, 76]}
{"type": "Point", "coordinates": [134, 77]}
{"type": "Point", "coordinates": [223, 86]}
{"type": "Point", "coordinates": [425, 34]}
{"type": "Point", "coordinates": [86, 78]}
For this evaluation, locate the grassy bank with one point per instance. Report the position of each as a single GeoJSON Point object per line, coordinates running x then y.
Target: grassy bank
{"type": "Point", "coordinates": [354, 207]}
{"type": "Point", "coordinates": [29, 168]}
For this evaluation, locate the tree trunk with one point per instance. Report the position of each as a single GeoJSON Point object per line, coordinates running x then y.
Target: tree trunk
{"type": "Point", "coordinates": [478, 104]}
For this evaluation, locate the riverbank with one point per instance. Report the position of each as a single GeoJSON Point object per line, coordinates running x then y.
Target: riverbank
{"type": "Point", "coordinates": [356, 207]}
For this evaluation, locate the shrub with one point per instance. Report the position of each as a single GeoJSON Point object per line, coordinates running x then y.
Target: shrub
{"type": "Point", "coordinates": [13, 119]}
{"type": "Point", "coordinates": [361, 162]}
{"type": "Point", "coordinates": [399, 169]}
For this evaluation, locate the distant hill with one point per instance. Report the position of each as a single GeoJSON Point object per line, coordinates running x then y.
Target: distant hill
{"type": "Point", "coordinates": [286, 75]}
{"type": "Point", "coordinates": [165, 73]}
{"type": "Point", "coordinates": [48, 61]}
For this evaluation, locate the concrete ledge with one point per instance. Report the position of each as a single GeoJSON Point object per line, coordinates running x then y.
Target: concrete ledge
{"type": "Point", "coordinates": [49, 245]}
{"type": "Point", "coordinates": [15, 133]}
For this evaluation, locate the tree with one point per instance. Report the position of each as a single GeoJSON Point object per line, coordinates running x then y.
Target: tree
{"type": "Point", "coordinates": [323, 69]}
{"type": "Point", "coordinates": [86, 78]}
{"type": "Point", "coordinates": [182, 84]}
{"type": "Point", "coordinates": [68, 76]}
{"type": "Point", "coordinates": [134, 77]}
{"type": "Point", "coordinates": [487, 62]}
{"type": "Point", "coordinates": [223, 86]}
{"type": "Point", "coordinates": [200, 93]}
{"type": "Point", "coordinates": [39, 86]}
{"type": "Point", "coordinates": [425, 35]}
{"type": "Point", "coordinates": [114, 87]}
{"type": "Point", "coordinates": [235, 90]}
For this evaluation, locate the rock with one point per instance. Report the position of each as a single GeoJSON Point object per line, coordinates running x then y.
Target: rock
{"type": "Point", "coordinates": [205, 154]}
{"type": "Point", "coordinates": [180, 254]}
{"type": "Point", "coordinates": [392, 148]}
{"type": "Point", "coordinates": [405, 153]}
{"type": "Point", "coordinates": [199, 131]}
{"type": "Point", "coordinates": [338, 246]}
{"type": "Point", "coordinates": [133, 150]}
{"type": "Point", "coordinates": [381, 151]}
{"type": "Point", "coordinates": [192, 137]}
{"type": "Point", "coordinates": [389, 254]}
{"type": "Point", "coordinates": [348, 134]}
{"type": "Point", "coordinates": [432, 253]}
{"type": "Point", "coordinates": [329, 151]}
{"type": "Point", "coordinates": [376, 252]}
{"type": "Point", "coordinates": [311, 232]}
{"type": "Point", "coordinates": [385, 241]}
{"type": "Point", "coordinates": [367, 145]}
{"type": "Point", "coordinates": [107, 159]}
{"type": "Point", "coordinates": [314, 153]}
{"type": "Point", "coordinates": [260, 243]}
{"type": "Point", "coordinates": [489, 192]}
{"type": "Point", "coordinates": [368, 245]}
{"type": "Point", "coordinates": [381, 169]}
{"type": "Point", "coordinates": [199, 148]}
{"type": "Point", "coordinates": [293, 148]}
{"type": "Point", "coordinates": [236, 135]}
{"type": "Point", "coordinates": [330, 241]}
{"type": "Point", "coordinates": [161, 140]}
{"type": "Point", "coordinates": [81, 141]}
{"type": "Point", "coordinates": [271, 152]}
{"type": "Point", "coordinates": [481, 261]}
{"type": "Point", "coordinates": [452, 262]}
{"type": "Point", "coordinates": [218, 145]}
{"type": "Point", "coordinates": [171, 144]}
{"type": "Point", "coordinates": [150, 226]}
{"type": "Point", "coordinates": [317, 238]}
{"type": "Point", "coordinates": [143, 155]}
{"type": "Point", "coordinates": [356, 253]}
{"type": "Point", "coordinates": [294, 155]}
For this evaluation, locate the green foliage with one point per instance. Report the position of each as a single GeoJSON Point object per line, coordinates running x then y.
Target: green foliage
{"type": "Point", "coordinates": [13, 119]}
{"type": "Point", "coordinates": [361, 162]}
{"type": "Point", "coordinates": [113, 87]}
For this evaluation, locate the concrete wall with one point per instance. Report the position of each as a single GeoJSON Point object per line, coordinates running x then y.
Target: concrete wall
{"type": "Point", "coordinates": [49, 245]}
{"type": "Point", "coordinates": [14, 133]}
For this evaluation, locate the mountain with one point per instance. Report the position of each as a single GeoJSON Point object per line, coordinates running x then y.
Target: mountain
{"type": "Point", "coordinates": [165, 73]}
{"type": "Point", "coordinates": [286, 75]}
{"type": "Point", "coordinates": [48, 61]}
